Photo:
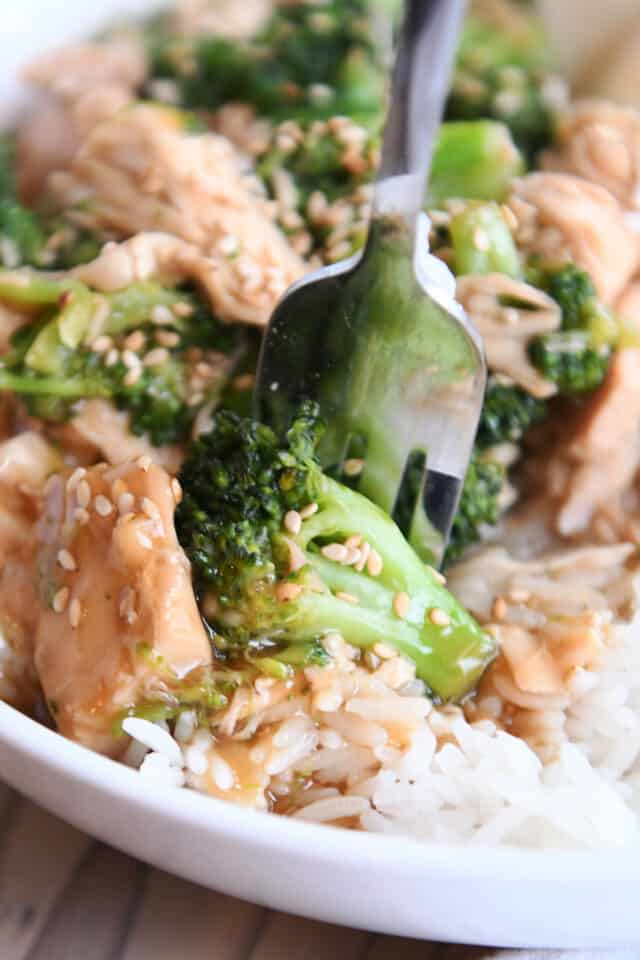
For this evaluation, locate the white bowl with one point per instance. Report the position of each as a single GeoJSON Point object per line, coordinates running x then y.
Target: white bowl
{"type": "Point", "coordinates": [503, 897]}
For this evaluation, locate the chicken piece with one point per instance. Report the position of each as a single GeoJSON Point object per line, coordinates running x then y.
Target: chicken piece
{"type": "Point", "coordinates": [562, 218]}
{"type": "Point", "coordinates": [141, 171]}
{"type": "Point", "coordinates": [118, 620]}
{"type": "Point", "coordinates": [600, 141]}
{"type": "Point", "coordinates": [70, 71]}
{"type": "Point", "coordinates": [507, 330]}
{"type": "Point", "coordinates": [99, 428]}
{"type": "Point", "coordinates": [628, 305]}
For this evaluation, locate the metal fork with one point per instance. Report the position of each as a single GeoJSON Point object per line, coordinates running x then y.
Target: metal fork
{"type": "Point", "coordinates": [378, 339]}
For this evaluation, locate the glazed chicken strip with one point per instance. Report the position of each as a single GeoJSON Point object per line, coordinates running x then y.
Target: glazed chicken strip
{"type": "Point", "coordinates": [141, 171]}
{"type": "Point", "coordinates": [562, 218]}
{"type": "Point", "coordinates": [118, 620]}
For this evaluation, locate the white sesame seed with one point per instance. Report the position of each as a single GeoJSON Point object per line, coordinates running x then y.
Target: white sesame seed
{"type": "Point", "coordinates": [374, 563]}
{"type": "Point", "coordinates": [127, 605]}
{"type": "Point", "coordinates": [156, 357]}
{"type": "Point", "coordinates": [103, 505]}
{"type": "Point", "coordinates": [150, 508]}
{"type": "Point", "coordinates": [292, 521]}
{"type": "Point", "coordinates": [401, 604]}
{"type": "Point", "coordinates": [66, 560]}
{"type": "Point", "coordinates": [288, 591]}
{"type": "Point", "coordinates": [167, 338]}
{"type": "Point", "coordinates": [347, 597]}
{"type": "Point", "coordinates": [81, 516]}
{"type": "Point", "coordinates": [60, 600]}
{"type": "Point", "coordinates": [182, 309]}
{"type": "Point", "coordinates": [439, 617]}
{"type": "Point", "coordinates": [161, 315]}
{"type": "Point", "coordinates": [365, 550]}
{"type": "Point", "coordinates": [353, 466]}
{"type": "Point", "coordinates": [332, 643]}
{"type": "Point", "coordinates": [132, 376]}
{"type": "Point", "coordinates": [112, 358]}
{"type": "Point", "coordinates": [83, 493]}
{"type": "Point", "coordinates": [353, 556]}
{"type": "Point", "coordinates": [75, 478]}
{"type": "Point", "coordinates": [336, 552]}
{"type": "Point", "coordinates": [384, 651]}
{"type": "Point", "coordinates": [176, 489]}
{"type": "Point", "coordinates": [102, 344]}
{"type": "Point", "coordinates": [131, 360]}
{"type": "Point", "coordinates": [481, 240]}
{"type": "Point", "coordinates": [125, 503]}
{"type": "Point", "coordinates": [228, 245]}
{"type": "Point", "coordinates": [144, 462]}
{"type": "Point", "coordinates": [309, 510]}
{"type": "Point", "coordinates": [75, 612]}
{"type": "Point", "coordinates": [354, 541]}
{"type": "Point", "coordinates": [297, 558]}
{"type": "Point", "coordinates": [144, 540]}
{"type": "Point", "coordinates": [135, 341]}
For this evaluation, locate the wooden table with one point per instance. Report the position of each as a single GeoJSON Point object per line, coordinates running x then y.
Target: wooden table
{"type": "Point", "coordinates": [64, 896]}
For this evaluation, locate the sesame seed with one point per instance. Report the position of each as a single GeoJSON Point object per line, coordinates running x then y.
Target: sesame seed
{"type": "Point", "coordinates": [132, 376]}
{"type": "Point", "coordinates": [519, 596]}
{"type": "Point", "coordinates": [401, 604]}
{"type": "Point", "coordinates": [75, 612]}
{"type": "Point", "coordinates": [83, 493]}
{"type": "Point", "coordinates": [161, 315]}
{"type": "Point", "coordinates": [144, 540]}
{"type": "Point", "coordinates": [103, 506]}
{"type": "Point", "coordinates": [288, 591]}
{"type": "Point", "coordinates": [347, 597]}
{"type": "Point", "coordinates": [336, 552]}
{"type": "Point", "coordinates": [297, 558]}
{"type": "Point", "coordinates": [66, 560]}
{"type": "Point", "coordinates": [309, 510]}
{"type": "Point", "coordinates": [481, 240]}
{"type": "Point", "coordinates": [353, 556]}
{"type": "Point", "coordinates": [176, 489]}
{"type": "Point", "coordinates": [125, 503]}
{"type": "Point", "coordinates": [144, 462]}
{"type": "Point", "coordinates": [439, 617]}
{"type": "Point", "coordinates": [60, 600]}
{"type": "Point", "coordinates": [102, 344]}
{"type": "Point", "coordinates": [75, 478]}
{"type": "Point", "coordinates": [167, 338]}
{"type": "Point", "coordinates": [353, 466]}
{"type": "Point", "coordinates": [509, 216]}
{"type": "Point", "coordinates": [437, 576]}
{"type": "Point", "coordinates": [228, 245]}
{"type": "Point", "coordinates": [355, 540]}
{"type": "Point", "coordinates": [365, 550]}
{"type": "Point", "coordinates": [130, 359]}
{"type": "Point", "coordinates": [384, 651]}
{"type": "Point", "coordinates": [292, 521]}
{"type": "Point", "coordinates": [112, 357]}
{"type": "Point", "coordinates": [499, 609]}
{"type": "Point", "coordinates": [156, 357]}
{"type": "Point", "coordinates": [374, 563]}
{"type": "Point", "coordinates": [182, 308]}
{"type": "Point", "coordinates": [81, 516]}
{"type": "Point", "coordinates": [135, 341]}
{"type": "Point", "coordinates": [127, 605]}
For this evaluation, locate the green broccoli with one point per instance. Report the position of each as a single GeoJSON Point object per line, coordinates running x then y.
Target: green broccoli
{"type": "Point", "coordinates": [576, 357]}
{"type": "Point", "coordinates": [157, 353]}
{"type": "Point", "coordinates": [474, 160]}
{"type": "Point", "coordinates": [479, 505]}
{"type": "Point", "coordinates": [21, 237]}
{"type": "Point", "coordinates": [482, 242]}
{"type": "Point", "coordinates": [500, 73]}
{"type": "Point", "coordinates": [507, 413]}
{"type": "Point", "coordinates": [279, 556]}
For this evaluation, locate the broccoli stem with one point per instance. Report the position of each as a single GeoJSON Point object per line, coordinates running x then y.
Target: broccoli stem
{"type": "Point", "coordinates": [476, 160]}
{"type": "Point", "coordinates": [482, 242]}
{"type": "Point", "coordinates": [73, 388]}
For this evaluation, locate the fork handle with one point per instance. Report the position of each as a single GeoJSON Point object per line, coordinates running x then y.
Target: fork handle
{"type": "Point", "coordinates": [421, 78]}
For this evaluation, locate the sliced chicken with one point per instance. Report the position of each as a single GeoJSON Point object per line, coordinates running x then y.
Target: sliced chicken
{"type": "Point", "coordinates": [562, 217]}
{"type": "Point", "coordinates": [141, 171]}
{"type": "Point", "coordinates": [70, 71]}
{"type": "Point", "coordinates": [118, 620]}
{"type": "Point", "coordinates": [224, 17]}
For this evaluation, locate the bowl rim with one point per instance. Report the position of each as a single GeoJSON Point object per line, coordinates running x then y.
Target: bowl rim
{"type": "Point", "coordinates": [321, 842]}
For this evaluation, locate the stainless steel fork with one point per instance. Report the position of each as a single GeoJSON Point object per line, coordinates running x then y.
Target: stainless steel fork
{"type": "Point", "coordinates": [378, 340]}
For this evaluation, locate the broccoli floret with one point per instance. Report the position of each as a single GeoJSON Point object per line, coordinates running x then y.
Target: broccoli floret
{"type": "Point", "coordinates": [570, 361]}
{"type": "Point", "coordinates": [309, 60]}
{"type": "Point", "coordinates": [479, 505]}
{"type": "Point", "coordinates": [500, 74]}
{"type": "Point", "coordinates": [154, 352]}
{"type": "Point", "coordinates": [474, 160]}
{"type": "Point", "coordinates": [576, 358]}
{"type": "Point", "coordinates": [507, 413]}
{"type": "Point", "coordinates": [21, 238]}
{"type": "Point", "coordinates": [276, 548]}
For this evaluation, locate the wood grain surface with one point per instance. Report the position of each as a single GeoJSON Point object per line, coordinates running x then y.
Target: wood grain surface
{"type": "Point", "coordinates": [64, 896]}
